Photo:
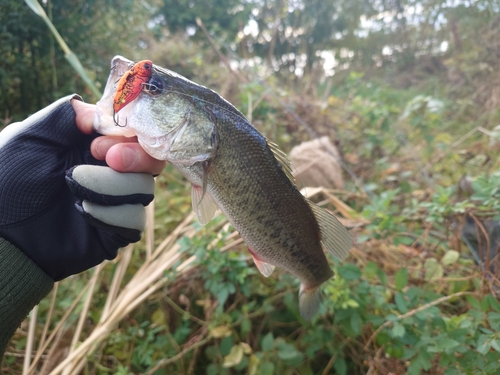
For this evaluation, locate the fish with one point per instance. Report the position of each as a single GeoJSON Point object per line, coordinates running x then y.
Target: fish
{"type": "Point", "coordinates": [131, 83]}
{"type": "Point", "coordinates": [234, 168]}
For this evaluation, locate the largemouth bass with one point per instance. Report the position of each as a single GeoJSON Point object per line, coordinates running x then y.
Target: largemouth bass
{"type": "Point", "coordinates": [233, 167]}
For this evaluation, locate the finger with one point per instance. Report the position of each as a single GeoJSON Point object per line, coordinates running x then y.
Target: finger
{"type": "Point", "coordinates": [84, 115]}
{"type": "Point", "coordinates": [131, 157]}
{"type": "Point", "coordinates": [101, 145]}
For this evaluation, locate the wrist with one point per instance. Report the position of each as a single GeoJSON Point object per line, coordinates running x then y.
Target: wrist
{"type": "Point", "coordinates": [22, 285]}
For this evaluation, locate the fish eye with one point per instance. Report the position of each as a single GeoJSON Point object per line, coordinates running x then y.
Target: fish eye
{"type": "Point", "coordinates": [153, 87]}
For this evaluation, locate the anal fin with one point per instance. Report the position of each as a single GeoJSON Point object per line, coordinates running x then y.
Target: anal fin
{"type": "Point", "coordinates": [203, 205]}
{"type": "Point", "coordinates": [265, 269]}
{"type": "Point", "coordinates": [334, 236]}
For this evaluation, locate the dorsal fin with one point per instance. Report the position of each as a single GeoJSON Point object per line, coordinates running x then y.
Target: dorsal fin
{"type": "Point", "coordinates": [282, 159]}
{"type": "Point", "coordinates": [334, 236]}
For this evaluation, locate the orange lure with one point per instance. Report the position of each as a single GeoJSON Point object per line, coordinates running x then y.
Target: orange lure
{"type": "Point", "coordinates": [130, 85]}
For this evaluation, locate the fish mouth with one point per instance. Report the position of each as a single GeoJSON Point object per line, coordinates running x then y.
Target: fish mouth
{"type": "Point", "coordinates": [104, 117]}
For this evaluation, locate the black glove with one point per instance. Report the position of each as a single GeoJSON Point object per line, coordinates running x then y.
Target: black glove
{"type": "Point", "coordinates": [58, 204]}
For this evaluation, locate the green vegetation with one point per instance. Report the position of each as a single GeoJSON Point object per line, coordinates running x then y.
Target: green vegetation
{"type": "Point", "coordinates": [413, 103]}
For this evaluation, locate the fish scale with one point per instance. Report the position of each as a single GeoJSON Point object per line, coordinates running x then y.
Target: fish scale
{"type": "Point", "coordinates": [233, 167]}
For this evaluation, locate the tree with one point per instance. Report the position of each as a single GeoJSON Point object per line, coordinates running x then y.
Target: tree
{"type": "Point", "coordinates": [33, 70]}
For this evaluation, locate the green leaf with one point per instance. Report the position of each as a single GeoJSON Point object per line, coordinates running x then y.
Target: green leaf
{"type": "Point", "coordinates": [370, 270]}
{"type": "Point", "coordinates": [409, 352]}
{"type": "Point", "coordinates": [220, 331]}
{"type": "Point", "coordinates": [340, 366]}
{"type": "Point", "coordinates": [267, 368]}
{"type": "Point", "coordinates": [400, 301]}
{"type": "Point", "coordinates": [382, 277]}
{"type": "Point", "coordinates": [225, 345]}
{"type": "Point", "coordinates": [433, 270]}
{"type": "Point", "coordinates": [465, 323]}
{"type": "Point", "coordinates": [356, 322]}
{"type": "Point", "coordinates": [383, 338]}
{"type": "Point", "coordinates": [485, 305]}
{"type": "Point", "coordinates": [424, 360]}
{"type": "Point", "coordinates": [414, 368]}
{"type": "Point", "coordinates": [398, 330]}
{"type": "Point", "coordinates": [494, 304]}
{"type": "Point", "coordinates": [234, 357]}
{"type": "Point", "coordinates": [450, 257]}
{"type": "Point", "coordinates": [246, 326]}
{"type": "Point", "coordinates": [494, 320]}
{"type": "Point", "coordinates": [484, 347]}
{"type": "Point", "coordinates": [253, 365]}
{"type": "Point", "coordinates": [267, 342]}
{"type": "Point", "coordinates": [213, 369]}
{"type": "Point", "coordinates": [395, 351]}
{"type": "Point", "coordinates": [401, 278]}
{"type": "Point", "coordinates": [473, 302]}
{"type": "Point", "coordinates": [288, 352]}
{"type": "Point", "coordinates": [495, 344]}
{"type": "Point", "coordinates": [451, 371]}
{"type": "Point", "coordinates": [349, 272]}
{"type": "Point", "coordinates": [447, 343]}
{"type": "Point", "coordinates": [222, 296]}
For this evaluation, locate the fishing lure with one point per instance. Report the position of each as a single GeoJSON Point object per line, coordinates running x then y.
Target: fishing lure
{"type": "Point", "coordinates": [131, 83]}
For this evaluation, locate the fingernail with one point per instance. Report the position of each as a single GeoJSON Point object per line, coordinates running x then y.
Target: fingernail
{"type": "Point", "coordinates": [129, 157]}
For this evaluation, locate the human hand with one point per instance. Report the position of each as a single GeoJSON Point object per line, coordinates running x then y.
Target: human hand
{"type": "Point", "coordinates": [57, 204]}
{"type": "Point", "coordinates": [120, 153]}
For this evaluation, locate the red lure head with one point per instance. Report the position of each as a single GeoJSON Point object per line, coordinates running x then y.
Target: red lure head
{"type": "Point", "coordinates": [142, 68]}
{"type": "Point", "coordinates": [130, 85]}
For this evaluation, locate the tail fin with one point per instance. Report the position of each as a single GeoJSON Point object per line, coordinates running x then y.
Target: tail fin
{"type": "Point", "coordinates": [309, 301]}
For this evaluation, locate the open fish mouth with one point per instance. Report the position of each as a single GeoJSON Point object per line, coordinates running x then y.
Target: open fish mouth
{"type": "Point", "coordinates": [104, 114]}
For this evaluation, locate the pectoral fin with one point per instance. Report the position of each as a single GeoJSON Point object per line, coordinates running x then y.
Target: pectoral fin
{"type": "Point", "coordinates": [203, 205]}
{"type": "Point", "coordinates": [265, 269]}
{"type": "Point", "coordinates": [334, 236]}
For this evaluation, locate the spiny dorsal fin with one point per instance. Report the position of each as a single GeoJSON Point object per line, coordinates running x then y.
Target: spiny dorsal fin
{"type": "Point", "coordinates": [334, 236]}
{"type": "Point", "coordinates": [282, 159]}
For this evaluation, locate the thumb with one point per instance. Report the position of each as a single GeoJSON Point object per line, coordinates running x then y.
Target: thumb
{"type": "Point", "coordinates": [84, 115]}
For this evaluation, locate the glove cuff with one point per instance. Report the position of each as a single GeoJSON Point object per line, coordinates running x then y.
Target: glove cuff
{"type": "Point", "coordinates": [22, 285]}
